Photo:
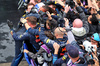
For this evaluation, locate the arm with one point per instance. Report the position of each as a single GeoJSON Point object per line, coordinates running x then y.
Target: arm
{"type": "Point", "coordinates": [85, 10]}
{"type": "Point", "coordinates": [89, 3]}
{"type": "Point", "coordinates": [21, 37]}
{"type": "Point", "coordinates": [95, 5]}
{"type": "Point", "coordinates": [24, 21]}
{"type": "Point", "coordinates": [45, 39]}
{"type": "Point", "coordinates": [42, 35]}
{"type": "Point", "coordinates": [56, 49]}
{"type": "Point", "coordinates": [60, 2]}
{"type": "Point", "coordinates": [69, 14]}
{"type": "Point", "coordinates": [72, 40]}
{"type": "Point", "coordinates": [55, 57]}
{"type": "Point", "coordinates": [30, 54]}
{"type": "Point", "coordinates": [33, 31]}
{"type": "Point", "coordinates": [95, 60]}
{"type": "Point", "coordinates": [70, 37]}
{"type": "Point", "coordinates": [61, 60]}
{"type": "Point", "coordinates": [69, 33]}
{"type": "Point", "coordinates": [83, 18]}
{"type": "Point", "coordinates": [80, 11]}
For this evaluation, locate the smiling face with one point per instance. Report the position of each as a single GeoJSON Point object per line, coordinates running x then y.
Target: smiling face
{"type": "Point", "coordinates": [93, 42]}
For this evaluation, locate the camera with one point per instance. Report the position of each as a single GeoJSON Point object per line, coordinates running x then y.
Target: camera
{"type": "Point", "coordinates": [98, 54]}
{"type": "Point", "coordinates": [34, 10]}
{"type": "Point", "coordinates": [89, 47]}
{"type": "Point", "coordinates": [70, 3]}
{"type": "Point", "coordinates": [61, 22]}
{"type": "Point", "coordinates": [43, 18]}
{"type": "Point", "coordinates": [89, 58]}
{"type": "Point", "coordinates": [43, 14]}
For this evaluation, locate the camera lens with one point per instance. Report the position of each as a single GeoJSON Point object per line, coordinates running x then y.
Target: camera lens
{"type": "Point", "coordinates": [91, 47]}
{"type": "Point", "coordinates": [90, 61]}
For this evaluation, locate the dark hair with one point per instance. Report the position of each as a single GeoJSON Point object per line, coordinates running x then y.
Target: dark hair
{"type": "Point", "coordinates": [94, 20]}
{"type": "Point", "coordinates": [32, 20]}
{"type": "Point", "coordinates": [89, 9]}
{"type": "Point", "coordinates": [52, 23]}
{"type": "Point", "coordinates": [54, 6]}
{"type": "Point", "coordinates": [77, 16]}
{"type": "Point", "coordinates": [49, 9]}
{"type": "Point", "coordinates": [51, 3]}
{"type": "Point", "coordinates": [79, 3]}
{"type": "Point", "coordinates": [49, 34]}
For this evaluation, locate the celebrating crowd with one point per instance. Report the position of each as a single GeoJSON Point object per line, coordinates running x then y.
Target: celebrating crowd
{"type": "Point", "coordinates": [58, 33]}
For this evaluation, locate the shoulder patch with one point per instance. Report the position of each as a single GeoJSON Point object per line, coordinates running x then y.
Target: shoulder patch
{"type": "Point", "coordinates": [20, 36]}
{"type": "Point", "coordinates": [63, 58]}
{"type": "Point", "coordinates": [47, 40]}
{"type": "Point", "coordinates": [39, 29]}
{"type": "Point", "coordinates": [57, 14]}
{"type": "Point", "coordinates": [55, 2]}
{"type": "Point", "coordinates": [24, 15]}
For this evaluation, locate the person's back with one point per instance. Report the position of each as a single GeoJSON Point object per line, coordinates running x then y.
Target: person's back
{"type": "Point", "coordinates": [75, 58]}
{"type": "Point", "coordinates": [94, 25]}
{"type": "Point", "coordinates": [80, 26]}
{"type": "Point", "coordinates": [27, 36]}
{"type": "Point", "coordinates": [61, 39]}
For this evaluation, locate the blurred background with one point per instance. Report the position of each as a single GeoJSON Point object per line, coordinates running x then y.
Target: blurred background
{"type": "Point", "coordinates": [8, 10]}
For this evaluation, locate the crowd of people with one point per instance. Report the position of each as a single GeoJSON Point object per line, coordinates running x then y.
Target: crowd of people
{"type": "Point", "coordinates": [58, 33]}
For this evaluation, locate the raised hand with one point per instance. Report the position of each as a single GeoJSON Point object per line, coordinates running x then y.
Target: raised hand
{"type": "Point", "coordinates": [66, 22]}
{"type": "Point", "coordinates": [56, 48]}
{"type": "Point", "coordinates": [67, 8]}
{"type": "Point", "coordinates": [25, 50]}
{"type": "Point", "coordinates": [49, 15]}
{"type": "Point", "coordinates": [23, 20]}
